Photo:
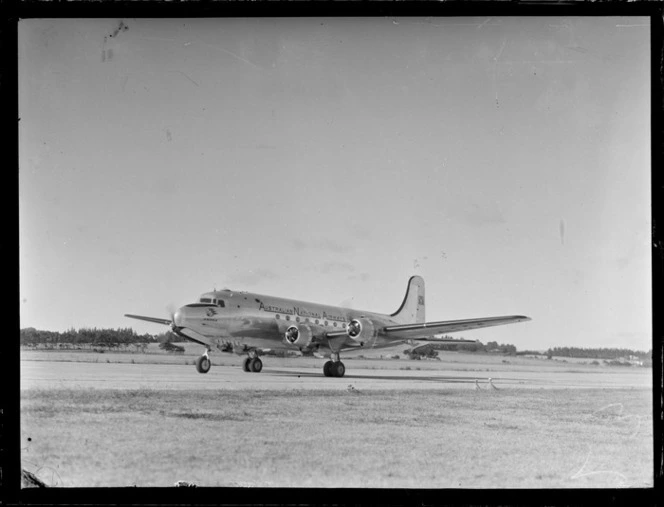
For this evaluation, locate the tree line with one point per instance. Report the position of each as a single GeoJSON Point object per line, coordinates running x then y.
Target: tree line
{"type": "Point", "coordinates": [431, 349]}
{"type": "Point", "coordinates": [109, 338]}
{"type": "Point", "coordinates": [490, 347]}
{"type": "Point", "coordinates": [599, 353]}
{"type": "Point", "coordinates": [124, 337]}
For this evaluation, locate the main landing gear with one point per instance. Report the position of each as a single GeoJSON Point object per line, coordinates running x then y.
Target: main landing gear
{"type": "Point", "coordinates": [203, 363]}
{"type": "Point", "coordinates": [253, 363]}
{"type": "Point", "coordinates": [334, 368]}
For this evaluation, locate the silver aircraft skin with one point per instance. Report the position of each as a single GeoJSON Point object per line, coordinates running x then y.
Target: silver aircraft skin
{"type": "Point", "coordinates": [254, 323]}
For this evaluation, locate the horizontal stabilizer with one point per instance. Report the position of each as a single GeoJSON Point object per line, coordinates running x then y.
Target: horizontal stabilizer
{"type": "Point", "coordinates": [166, 322]}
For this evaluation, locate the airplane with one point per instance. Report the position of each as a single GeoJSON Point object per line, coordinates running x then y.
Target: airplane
{"type": "Point", "coordinates": [257, 324]}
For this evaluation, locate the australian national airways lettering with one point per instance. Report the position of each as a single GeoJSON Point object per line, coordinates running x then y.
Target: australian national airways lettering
{"type": "Point", "coordinates": [302, 312]}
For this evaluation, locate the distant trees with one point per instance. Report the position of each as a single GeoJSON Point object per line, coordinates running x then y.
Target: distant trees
{"type": "Point", "coordinates": [529, 353]}
{"type": "Point", "coordinates": [83, 338]}
{"type": "Point", "coordinates": [491, 347]}
{"type": "Point", "coordinates": [503, 348]}
{"type": "Point", "coordinates": [600, 353]}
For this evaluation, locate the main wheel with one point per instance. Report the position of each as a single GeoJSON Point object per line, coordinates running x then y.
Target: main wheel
{"type": "Point", "coordinates": [339, 369]}
{"type": "Point", "coordinates": [256, 365]}
{"type": "Point", "coordinates": [203, 364]}
{"type": "Point", "coordinates": [327, 369]}
{"type": "Point", "coordinates": [246, 366]}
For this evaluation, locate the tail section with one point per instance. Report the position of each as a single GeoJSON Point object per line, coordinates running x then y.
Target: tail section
{"type": "Point", "coordinates": [411, 310]}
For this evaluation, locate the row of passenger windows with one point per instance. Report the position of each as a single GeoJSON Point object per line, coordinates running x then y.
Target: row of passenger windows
{"type": "Point", "coordinates": [297, 319]}
{"type": "Point", "coordinates": [217, 302]}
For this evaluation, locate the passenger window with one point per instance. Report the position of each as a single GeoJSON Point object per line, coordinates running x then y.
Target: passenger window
{"type": "Point", "coordinates": [287, 317]}
{"type": "Point", "coordinates": [297, 319]}
{"type": "Point", "coordinates": [278, 316]}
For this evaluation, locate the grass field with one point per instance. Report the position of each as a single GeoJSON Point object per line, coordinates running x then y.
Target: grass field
{"type": "Point", "coordinates": [553, 438]}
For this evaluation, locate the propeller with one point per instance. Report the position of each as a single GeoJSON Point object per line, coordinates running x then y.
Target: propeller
{"type": "Point", "coordinates": [292, 334]}
{"type": "Point", "coordinates": [354, 328]}
{"type": "Point", "coordinates": [170, 308]}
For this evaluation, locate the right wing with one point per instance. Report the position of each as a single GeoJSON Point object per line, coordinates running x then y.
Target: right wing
{"type": "Point", "coordinates": [426, 329]}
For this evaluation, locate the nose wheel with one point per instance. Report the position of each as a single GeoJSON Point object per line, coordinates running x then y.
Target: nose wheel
{"type": "Point", "coordinates": [203, 364]}
{"type": "Point", "coordinates": [334, 369]}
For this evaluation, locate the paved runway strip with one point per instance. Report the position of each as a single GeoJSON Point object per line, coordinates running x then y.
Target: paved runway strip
{"type": "Point", "coordinates": [55, 374]}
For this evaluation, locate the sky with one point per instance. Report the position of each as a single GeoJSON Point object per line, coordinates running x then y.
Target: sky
{"type": "Point", "coordinates": [505, 160]}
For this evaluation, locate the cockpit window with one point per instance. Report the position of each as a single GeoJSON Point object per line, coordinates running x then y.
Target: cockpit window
{"type": "Point", "coordinates": [220, 303]}
{"type": "Point", "coordinates": [206, 300]}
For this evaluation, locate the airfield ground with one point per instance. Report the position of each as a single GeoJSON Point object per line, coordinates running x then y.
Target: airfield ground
{"type": "Point", "coordinates": [116, 419]}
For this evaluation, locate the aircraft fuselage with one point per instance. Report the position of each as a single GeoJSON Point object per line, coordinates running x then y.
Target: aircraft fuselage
{"type": "Point", "coordinates": [259, 321]}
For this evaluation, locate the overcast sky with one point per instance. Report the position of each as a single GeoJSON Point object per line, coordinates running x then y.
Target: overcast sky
{"type": "Point", "coordinates": [505, 160]}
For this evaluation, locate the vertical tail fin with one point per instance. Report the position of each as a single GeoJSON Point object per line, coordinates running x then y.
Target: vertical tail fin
{"type": "Point", "coordinates": [411, 310]}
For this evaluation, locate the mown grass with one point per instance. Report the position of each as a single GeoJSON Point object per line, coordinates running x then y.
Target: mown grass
{"type": "Point", "coordinates": [501, 439]}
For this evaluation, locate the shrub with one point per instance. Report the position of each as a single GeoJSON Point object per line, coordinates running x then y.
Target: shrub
{"type": "Point", "coordinates": [171, 347]}
{"type": "Point", "coordinates": [613, 362]}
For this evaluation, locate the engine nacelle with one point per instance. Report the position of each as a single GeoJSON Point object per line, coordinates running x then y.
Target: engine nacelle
{"type": "Point", "coordinates": [300, 336]}
{"type": "Point", "coordinates": [361, 329]}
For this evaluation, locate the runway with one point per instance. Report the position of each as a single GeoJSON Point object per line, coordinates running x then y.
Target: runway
{"type": "Point", "coordinates": [68, 375]}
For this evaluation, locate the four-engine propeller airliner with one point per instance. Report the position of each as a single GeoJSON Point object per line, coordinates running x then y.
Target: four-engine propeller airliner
{"type": "Point", "coordinates": [254, 324]}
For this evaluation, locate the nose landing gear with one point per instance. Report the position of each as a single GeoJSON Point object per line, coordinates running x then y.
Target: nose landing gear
{"type": "Point", "coordinates": [203, 363]}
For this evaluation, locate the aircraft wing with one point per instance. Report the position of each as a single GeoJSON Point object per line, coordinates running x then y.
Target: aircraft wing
{"type": "Point", "coordinates": [434, 339]}
{"type": "Point", "coordinates": [425, 330]}
{"type": "Point", "coordinates": [166, 322]}
{"type": "Point", "coordinates": [339, 340]}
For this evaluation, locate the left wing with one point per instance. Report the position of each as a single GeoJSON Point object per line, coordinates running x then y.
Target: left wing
{"type": "Point", "coordinates": [425, 330]}
{"type": "Point", "coordinates": [149, 319]}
